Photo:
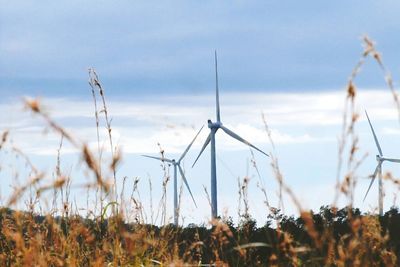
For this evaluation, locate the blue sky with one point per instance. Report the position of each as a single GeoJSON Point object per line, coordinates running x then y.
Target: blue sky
{"type": "Point", "coordinates": [290, 60]}
{"type": "Point", "coordinates": [164, 48]}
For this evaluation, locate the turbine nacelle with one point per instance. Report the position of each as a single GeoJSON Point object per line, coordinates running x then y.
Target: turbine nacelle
{"type": "Point", "coordinates": [214, 125]}
{"type": "Point", "coordinates": [379, 158]}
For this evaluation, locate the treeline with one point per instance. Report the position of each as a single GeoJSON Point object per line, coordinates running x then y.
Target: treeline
{"type": "Point", "coordinates": [334, 237]}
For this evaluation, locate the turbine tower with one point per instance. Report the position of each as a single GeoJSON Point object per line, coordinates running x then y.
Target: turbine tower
{"type": "Point", "coordinates": [177, 166]}
{"type": "Point", "coordinates": [378, 170]}
{"type": "Point", "coordinates": [214, 126]}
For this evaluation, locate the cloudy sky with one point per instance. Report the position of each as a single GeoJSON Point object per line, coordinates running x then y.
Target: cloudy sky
{"type": "Point", "coordinates": [288, 60]}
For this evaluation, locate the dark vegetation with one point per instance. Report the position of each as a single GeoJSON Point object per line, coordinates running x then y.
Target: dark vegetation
{"type": "Point", "coordinates": [78, 241]}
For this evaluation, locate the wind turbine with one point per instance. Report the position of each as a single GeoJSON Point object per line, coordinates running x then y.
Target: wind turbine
{"type": "Point", "coordinates": [378, 170]}
{"type": "Point", "coordinates": [177, 166]}
{"type": "Point", "coordinates": [214, 126]}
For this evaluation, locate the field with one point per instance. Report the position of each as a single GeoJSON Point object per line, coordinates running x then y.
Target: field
{"type": "Point", "coordinates": [60, 236]}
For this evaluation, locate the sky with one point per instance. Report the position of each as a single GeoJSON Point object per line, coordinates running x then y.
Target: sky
{"type": "Point", "coordinates": [288, 60]}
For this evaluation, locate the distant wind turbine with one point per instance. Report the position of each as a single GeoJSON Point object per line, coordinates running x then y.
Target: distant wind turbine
{"type": "Point", "coordinates": [177, 166]}
{"type": "Point", "coordinates": [214, 126]}
{"type": "Point", "coordinates": [378, 170]}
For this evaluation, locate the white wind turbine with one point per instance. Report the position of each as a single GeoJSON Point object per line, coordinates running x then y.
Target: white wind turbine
{"type": "Point", "coordinates": [214, 126]}
{"type": "Point", "coordinates": [378, 170]}
{"type": "Point", "coordinates": [177, 166]}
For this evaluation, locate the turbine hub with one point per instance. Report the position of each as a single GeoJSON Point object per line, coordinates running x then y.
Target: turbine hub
{"type": "Point", "coordinates": [378, 158]}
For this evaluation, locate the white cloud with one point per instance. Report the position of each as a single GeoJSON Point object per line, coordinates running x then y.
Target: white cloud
{"type": "Point", "coordinates": [139, 125]}
{"type": "Point", "coordinates": [391, 131]}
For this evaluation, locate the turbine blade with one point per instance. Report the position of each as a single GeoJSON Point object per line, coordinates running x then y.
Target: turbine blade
{"type": "Point", "coordinates": [373, 132]}
{"type": "Point", "coordinates": [204, 147]}
{"type": "Point", "coordinates": [187, 149]}
{"type": "Point", "coordinates": [393, 160]}
{"type": "Point", "coordinates": [373, 179]}
{"type": "Point", "coordinates": [216, 88]}
{"type": "Point", "coordinates": [237, 137]}
{"type": "Point", "coordinates": [186, 183]}
{"type": "Point", "coordinates": [158, 158]}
